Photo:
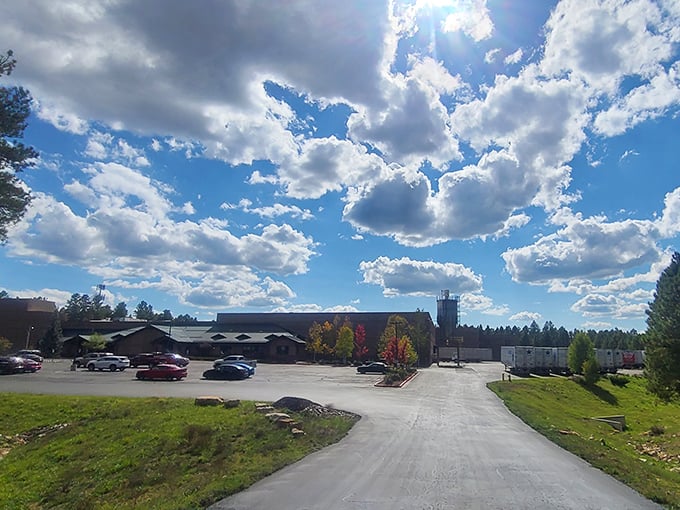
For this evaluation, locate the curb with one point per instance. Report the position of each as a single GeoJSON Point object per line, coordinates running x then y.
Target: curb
{"type": "Point", "coordinates": [400, 385]}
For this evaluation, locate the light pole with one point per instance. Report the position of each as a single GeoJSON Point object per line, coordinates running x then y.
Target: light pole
{"type": "Point", "coordinates": [28, 335]}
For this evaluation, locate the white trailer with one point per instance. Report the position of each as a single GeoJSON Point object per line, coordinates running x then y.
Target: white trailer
{"type": "Point", "coordinates": [560, 360]}
{"type": "Point", "coordinates": [543, 360]}
{"type": "Point", "coordinates": [508, 356]}
{"type": "Point", "coordinates": [605, 358]}
{"type": "Point", "coordinates": [470, 354]}
{"type": "Point", "coordinates": [476, 354]}
{"type": "Point", "coordinates": [524, 359]}
{"type": "Point", "coordinates": [446, 353]}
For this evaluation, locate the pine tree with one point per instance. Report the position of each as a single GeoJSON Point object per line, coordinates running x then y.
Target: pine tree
{"type": "Point", "coordinates": [662, 340]}
{"type": "Point", "coordinates": [15, 107]}
{"type": "Point", "coordinates": [50, 344]}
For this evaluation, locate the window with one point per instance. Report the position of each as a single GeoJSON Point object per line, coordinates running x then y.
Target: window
{"type": "Point", "coordinates": [282, 350]}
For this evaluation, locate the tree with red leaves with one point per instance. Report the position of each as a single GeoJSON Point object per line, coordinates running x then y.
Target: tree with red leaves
{"type": "Point", "coordinates": [360, 349]}
{"type": "Point", "coordinates": [399, 351]}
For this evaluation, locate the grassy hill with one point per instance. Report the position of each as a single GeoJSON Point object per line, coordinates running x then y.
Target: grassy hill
{"type": "Point", "coordinates": [645, 455]}
{"type": "Point", "coordinates": [63, 452]}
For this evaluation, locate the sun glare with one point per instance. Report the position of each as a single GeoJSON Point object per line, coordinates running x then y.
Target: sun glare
{"type": "Point", "coordinates": [437, 3]}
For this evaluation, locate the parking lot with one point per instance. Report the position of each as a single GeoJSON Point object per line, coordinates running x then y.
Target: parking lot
{"type": "Point", "coordinates": [270, 382]}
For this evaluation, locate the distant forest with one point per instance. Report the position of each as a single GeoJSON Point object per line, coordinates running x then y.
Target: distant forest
{"type": "Point", "coordinates": [548, 336]}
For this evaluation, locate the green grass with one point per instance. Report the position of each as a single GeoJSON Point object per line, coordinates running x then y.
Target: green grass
{"type": "Point", "coordinates": [151, 453]}
{"type": "Point", "coordinates": [645, 456]}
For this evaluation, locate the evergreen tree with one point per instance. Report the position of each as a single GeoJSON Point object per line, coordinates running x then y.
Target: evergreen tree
{"type": "Point", "coordinates": [100, 310]}
{"type": "Point", "coordinates": [185, 319]}
{"type": "Point", "coordinates": [120, 311]}
{"type": "Point", "coordinates": [662, 340]}
{"type": "Point", "coordinates": [144, 311]}
{"type": "Point", "coordinates": [15, 107]}
{"type": "Point", "coordinates": [50, 344]}
{"type": "Point", "coordinates": [166, 315]}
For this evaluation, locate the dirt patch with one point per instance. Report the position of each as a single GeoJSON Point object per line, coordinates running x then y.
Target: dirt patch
{"type": "Point", "coordinates": [7, 443]}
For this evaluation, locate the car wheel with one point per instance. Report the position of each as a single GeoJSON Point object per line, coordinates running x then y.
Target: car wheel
{"type": "Point", "coordinates": [113, 368]}
{"type": "Point", "coordinates": [90, 368]}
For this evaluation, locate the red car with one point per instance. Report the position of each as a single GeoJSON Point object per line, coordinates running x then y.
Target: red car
{"type": "Point", "coordinates": [162, 372]}
{"type": "Point", "coordinates": [30, 365]}
{"type": "Point", "coordinates": [156, 358]}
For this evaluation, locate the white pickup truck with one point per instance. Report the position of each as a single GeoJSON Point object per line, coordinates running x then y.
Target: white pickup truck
{"type": "Point", "coordinates": [235, 358]}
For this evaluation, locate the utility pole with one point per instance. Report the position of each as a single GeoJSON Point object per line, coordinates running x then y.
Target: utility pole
{"type": "Point", "coordinates": [28, 336]}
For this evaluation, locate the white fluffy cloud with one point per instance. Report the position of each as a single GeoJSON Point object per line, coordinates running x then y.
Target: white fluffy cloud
{"type": "Point", "coordinates": [129, 69]}
{"type": "Point", "coordinates": [586, 248]}
{"type": "Point", "coordinates": [602, 41]}
{"type": "Point", "coordinates": [412, 127]}
{"type": "Point", "coordinates": [129, 236]}
{"type": "Point", "coordinates": [405, 276]}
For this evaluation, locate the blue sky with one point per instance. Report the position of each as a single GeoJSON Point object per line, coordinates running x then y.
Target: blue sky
{"type": "Point", "coordinates": [350, 156]}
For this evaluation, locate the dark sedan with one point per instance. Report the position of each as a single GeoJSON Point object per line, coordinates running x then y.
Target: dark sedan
{"type": "Point", "coordinates": [376, 367]}
{"type": "Point", "coordinates": [226, 373]}
{"type": "Point", "coordinates": [11, 365]}
{"type": "Point", "coordinates": [162, 372]}
{"type": "Point", "coordinates": [29, 354]}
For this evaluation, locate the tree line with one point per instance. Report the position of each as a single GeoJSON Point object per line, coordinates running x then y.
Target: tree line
{"type": "Point", "coordinates": [82, 307]}
{"type": "Point", "coordinates": [548, 336]}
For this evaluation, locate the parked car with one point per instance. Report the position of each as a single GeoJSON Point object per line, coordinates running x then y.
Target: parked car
{"type": "Point", "coordinates": [235, 358]}
{"type": "Point", "coordinates": [249, 368]}
{"type": "Point", "coordinates": [227, 372]}
{"type": "Point", "coordinates": [156, 358]}
{"type": "Point", "coordinates": [112, 363]}
{"type": "Point", "coordinates": [376, 367]}
{"type": "Point", "coordinates": [143, 359]}
{"type": "Point", "coordinates": [172, 358]}
{"type": "Point", "coordinates": [163, 372]}
{"type": "Point", "coordinates": [82, 361]}
{"type": "Point", "coordinates": [11, 365]}
{"type": "Point", "coordinates": [30, 365]}
{"type": "Point", "coordinates": [29, 354]}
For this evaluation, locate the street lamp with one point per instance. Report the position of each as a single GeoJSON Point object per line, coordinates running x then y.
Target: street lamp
{"type": "Point", "coordinates": [28, 335]}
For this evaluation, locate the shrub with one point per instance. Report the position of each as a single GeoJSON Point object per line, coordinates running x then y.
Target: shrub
{"type": "Point", "coordinates": [393, 378]}
{"type": "Point", "coordinates": [619, 380]}
{"type": "Point", "coordinates": [657, 430]}
{"type": "Point", "coordinates": [580, 350]}
{"type": "Point", "coordinates": [591, 372]}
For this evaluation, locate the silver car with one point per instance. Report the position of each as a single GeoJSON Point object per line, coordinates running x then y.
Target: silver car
{"type": "Point", "coordinates": [82, 361]}
{"type": "Point", "coordinates": [112, 363]}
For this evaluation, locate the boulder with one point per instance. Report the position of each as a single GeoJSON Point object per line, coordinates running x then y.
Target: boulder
{"type": "Point", "coordinates": [277, 416]}
{"type": "Point", "coordinates": [232, 403]}
{"type": "Point", "coordinates": [209, 401]}
{"type": "Point", "coordinates": [294, 403]}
